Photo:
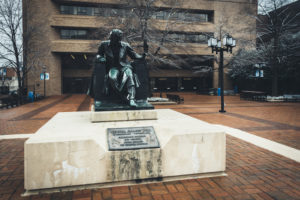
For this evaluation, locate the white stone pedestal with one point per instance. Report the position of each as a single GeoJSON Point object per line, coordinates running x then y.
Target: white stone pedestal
{"type": "Point", "coordinates": [70, 150]}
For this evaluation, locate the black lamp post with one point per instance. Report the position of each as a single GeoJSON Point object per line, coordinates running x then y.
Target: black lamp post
{"type": "Point", "coordinates": [44, 71]}
{"type": "Point", "coordinates": [218, 46]}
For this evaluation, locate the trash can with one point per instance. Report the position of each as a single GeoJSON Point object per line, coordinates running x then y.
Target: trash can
{"type": "Point", "coordinates": [236, 89]}
{"type": "Point", "coordinates": [30, 96]}
{"type": "Point", "coordinates": [219, 91]}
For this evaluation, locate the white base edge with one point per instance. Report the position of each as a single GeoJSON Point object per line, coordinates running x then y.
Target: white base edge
{"type": "Point", "coordinates": [122, 183]}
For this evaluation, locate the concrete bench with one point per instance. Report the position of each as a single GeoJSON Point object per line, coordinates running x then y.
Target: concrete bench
{"type": "Point", "coordinates": [175, 97]}
{"type": "Point", "coordinates": [8, 100]}
{"type": "Point", "coordinates": [291, 97]}
{"type": "Point", "coordinates": [253, 95]}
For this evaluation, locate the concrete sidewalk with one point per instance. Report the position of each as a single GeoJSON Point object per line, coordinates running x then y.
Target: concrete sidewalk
{"type": "Point", "coordinates": [253, 172]}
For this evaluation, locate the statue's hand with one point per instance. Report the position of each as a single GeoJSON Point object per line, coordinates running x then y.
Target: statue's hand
{"type": "Point", "coordinates": [144, 55]}
{"type": "Point", "coordinates": [100, 59]}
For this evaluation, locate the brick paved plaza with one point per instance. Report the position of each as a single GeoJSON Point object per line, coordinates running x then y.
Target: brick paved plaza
{"type": "Point", "coordinates": [253, 172]}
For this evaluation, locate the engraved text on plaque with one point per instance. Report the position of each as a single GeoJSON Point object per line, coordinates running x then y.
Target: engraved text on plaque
{"type": "Point", "coordinates": [131, 138]}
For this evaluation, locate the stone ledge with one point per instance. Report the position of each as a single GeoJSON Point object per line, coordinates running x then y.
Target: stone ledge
{"type": "Point", "coordinates": [28, 193]}
{"type": "Point", "coordinates": [127, 115]}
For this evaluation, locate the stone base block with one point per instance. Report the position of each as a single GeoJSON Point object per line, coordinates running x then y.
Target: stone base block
{"type": "Point", "coordinates": [113, 105]}
{"type": "Point", "coordinates": [128, 115]}
{"type": "Point", "coordinates": [69, 150]}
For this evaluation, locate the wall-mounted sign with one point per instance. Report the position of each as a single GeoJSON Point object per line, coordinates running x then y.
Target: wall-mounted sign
{"type": "Point", "coordinates": [3, 72]}
{"type": "Point", "coordinates": [259, 73]}
{"type": "Point", "coordinates": [42, 76]}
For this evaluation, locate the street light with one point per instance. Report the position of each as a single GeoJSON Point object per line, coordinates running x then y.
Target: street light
{"type": "Point", "coordinates": [217, 46]}
{"type": "Point", "coordinates": [44, 71]}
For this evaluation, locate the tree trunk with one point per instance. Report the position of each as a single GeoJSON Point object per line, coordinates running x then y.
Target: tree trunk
{"type": "Point", "coordinates": [275, 64]}
{"type": "Point", "coordinates": [20, 87]}
{"type": "Point", "coordinates": [275, 81]}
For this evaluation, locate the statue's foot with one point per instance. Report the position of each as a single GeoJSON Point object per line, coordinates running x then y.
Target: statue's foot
{"type": "Point", "coordinates": [97, 104]}
{"type": "Point", "coordinates": [132, 103]}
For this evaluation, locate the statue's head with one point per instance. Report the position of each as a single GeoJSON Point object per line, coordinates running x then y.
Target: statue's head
{"type": "Point", "coordinates": [115, 36]}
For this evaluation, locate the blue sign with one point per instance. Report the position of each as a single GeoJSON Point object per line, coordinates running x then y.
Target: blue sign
{"type": "Point", "coordinates": [3, 72]}
{"type": "Point", "coordinates": [42, 76]}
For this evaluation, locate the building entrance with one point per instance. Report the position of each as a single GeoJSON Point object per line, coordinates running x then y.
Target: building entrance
{"type": "Point", "coordinates": [166, 84]}
{"type": "Point", "coordinates": [198, 84]}
{"type": "Point", "coordinates": [76, 85]}
{"type": "Point", "coordinates": [77, 72]}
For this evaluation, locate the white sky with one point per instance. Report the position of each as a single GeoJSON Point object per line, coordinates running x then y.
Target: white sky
{"type": "Point", "coordinates": [268, 4]}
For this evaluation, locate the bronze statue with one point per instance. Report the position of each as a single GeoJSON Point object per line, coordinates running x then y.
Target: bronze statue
{"type": "Point", "coordinates": [119, 73]}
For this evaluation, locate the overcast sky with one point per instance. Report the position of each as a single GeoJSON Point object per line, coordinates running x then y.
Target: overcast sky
{"type": "Point", "coordinates": [267, 4]}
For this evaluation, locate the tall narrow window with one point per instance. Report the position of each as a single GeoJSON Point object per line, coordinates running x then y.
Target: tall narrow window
{"type": "Point", "coordinates": [82, 10]}
{"type": "Point", "coordinates": [66, 9]}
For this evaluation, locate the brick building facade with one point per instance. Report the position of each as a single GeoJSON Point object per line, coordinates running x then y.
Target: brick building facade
{"type": "Point", "coordinates": [71, 34]}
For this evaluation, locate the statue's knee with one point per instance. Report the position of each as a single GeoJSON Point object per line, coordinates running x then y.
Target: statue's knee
{"type": "Point", "coordinates": [113, 76]}
{"type": "Point", "coordinates": [130, 82]}
{"type": "Point", "coordinates": [128, 72]}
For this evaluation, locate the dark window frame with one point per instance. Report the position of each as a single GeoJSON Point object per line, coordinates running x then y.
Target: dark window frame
{"type": "Point", "coordinates": [184, 37]}
{"type": "Point", "coordinates": [161, 14]}
{"type": "Point", "coordinates": [73, 34]}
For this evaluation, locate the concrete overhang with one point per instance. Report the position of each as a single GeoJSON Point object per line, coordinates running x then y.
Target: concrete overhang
{"type": "Point", "coordinates": [74, 46]}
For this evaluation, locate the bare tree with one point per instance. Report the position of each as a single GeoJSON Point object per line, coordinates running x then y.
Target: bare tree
{"type": "Point", "coordinates": [11, 37]}
{"type": "Point", "coordinates": [278, 23]}
{"type": "Point", "coordinates": [138, 21]}
{"type": "Point", "coordinates": [278, 41]}
{"type": "Point", "coordinates": [15, 41]}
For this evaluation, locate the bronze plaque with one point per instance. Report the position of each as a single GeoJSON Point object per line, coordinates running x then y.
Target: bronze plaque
{"type": "Point", "coordinates": [132, 138]}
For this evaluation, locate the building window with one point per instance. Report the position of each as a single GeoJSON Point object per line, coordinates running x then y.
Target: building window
{"type": "Point", "coordinates": [67, 10]}
{"type": "Point", "coordinates": [84, 11]}
{"type": "Point", "coordinates": [181, 15]}
{"type": "Point", "coordinates": [198, 16]}
{"type": "Point", "coordinates": [83, 34]}
{"type": "Point", "coordinates": [99, 12]}
{"type": "Point", "coordinates": [175, 16]}
{"type": "Point", "coordinates": [73, 34]}
{"type": "Point", "coordinates": [160, 15]}
{"type": "Point", "coordinates": [189, 38]}
{"type": "Point", "coordinates": [203, 17]}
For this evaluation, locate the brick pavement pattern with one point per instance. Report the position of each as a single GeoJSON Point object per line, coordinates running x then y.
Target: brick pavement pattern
{"type": "Point", "coordinates": [30, 117]}
{"type": "Point", "coordinates": [253, 173]}
{"type": "Point", "coordinates": [279, 122]}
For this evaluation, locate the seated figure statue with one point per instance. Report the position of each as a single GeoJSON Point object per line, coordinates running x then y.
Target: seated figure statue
{"type": "Point", "coordinates": [119, 76]}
